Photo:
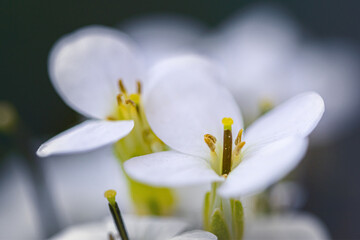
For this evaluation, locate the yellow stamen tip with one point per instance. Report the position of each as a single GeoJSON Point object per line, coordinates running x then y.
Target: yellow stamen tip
{"type": "Point", "coordinates": [210, 140]}
{"type": "Point", "coordinates": [110, 196]}
{"type": "Point", "coordinates": [135, 98]}
{"type": "Point", "coordinates": [227, 122]}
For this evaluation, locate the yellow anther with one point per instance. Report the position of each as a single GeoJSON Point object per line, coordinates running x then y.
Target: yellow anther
{"type": "Point", "coordinates": [238, 148]}
{"type": "Point", "coordinates": [110, 118]}
{"type": "Point", "coordinates": [210, 140]}
{"type": "Point", "coordinates": [138, 87]}
{"type": "Point", "coordinates": [110, 196]}
{"type": "Point", "coordinates": [122, 86]}
{"type": "Point", "coordinates": [238, 138]}
{"type": "Point", "coordinates": [135, 98]}
{"type": "Point", "coordinates": [227, 122]}
{"type": "Point", "coordinates": [131, 102]}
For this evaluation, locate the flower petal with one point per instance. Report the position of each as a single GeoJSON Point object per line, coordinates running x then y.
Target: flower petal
{"type": "Point", "coordinates": [170, 169]}
{"type": "Point", "coordinates": [185, 103]}
{"type": "Point", "coordinates": [85, 67]}
{"type": "Point", "coordinates": [264, 167]}
{"type": "Point", "coordinates": [150, 228]}
{"type": "Point", "coordinates": [86, 136]}
{"type": "Point", "coordinates": [197, 235]}
{"type": "Point", "coordinates": [296, 117]}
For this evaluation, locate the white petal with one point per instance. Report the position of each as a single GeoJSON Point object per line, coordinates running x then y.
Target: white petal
{"type": "Point", "coordinates": [296, 117]}
{"type": "Point", "coordinates": [287, 226]}
{"type": "Point", "coordinates": [151, 228]}
{"type": "Point", "coordinates": [170, 169]}
{"type": "Point", "coordinates": [264, 167]}
{"type": "Point", "coordinates": [86, 136]}
{"type": "Point", "coordinates": [197, 235]}
{"type": "Point", "coordinates": [186, 102]}
{"type": "Point", "coordinates": [88, 231]}
{"type": "Point", "coordinates": [85, 67]}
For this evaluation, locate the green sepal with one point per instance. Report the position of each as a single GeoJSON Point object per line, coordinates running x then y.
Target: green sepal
{"type": "Point", "coordinates": [237, 212]}
{"type": "Point", "coordinates": [218, 225]}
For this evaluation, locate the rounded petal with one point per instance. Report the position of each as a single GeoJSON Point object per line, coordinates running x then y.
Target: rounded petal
{"type": "Point", "coordinates": [186, 102]}
{"type": "Point", "coordinates": [89, 231]}
{"type": "Point", "coordinates": [195, 235]}
{"type": "Point", "coordinates": [85, 67]}
{"type": "Point", "coordinates": [150, 228]}
{"type": "Point", "coordinates": [262, 168]}
{"type": "Point", "coordinates": [86, 136]}
{"type": "Point", "coordinates": [170, 169]}
{"type": "Point", "coordinates": [296, 117]}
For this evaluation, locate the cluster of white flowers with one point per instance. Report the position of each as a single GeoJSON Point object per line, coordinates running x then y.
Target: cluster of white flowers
{"type": "Point", "coordinates": [174, 119]}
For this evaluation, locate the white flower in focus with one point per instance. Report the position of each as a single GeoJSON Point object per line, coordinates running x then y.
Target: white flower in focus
{"type": "Point", "coordinates": [85, 68]}
{"type": "Point", "coordinates": [163, 35]}
{"type": "Point", "coordinates": [190, 109]}
{"type": "Point", "coordinates": [138, 228]}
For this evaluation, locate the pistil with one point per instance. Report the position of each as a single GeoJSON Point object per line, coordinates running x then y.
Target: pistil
{"type": "Point", "coordinates": [227, 146]}
{"type": "Point", "coordinates": [116, 214]}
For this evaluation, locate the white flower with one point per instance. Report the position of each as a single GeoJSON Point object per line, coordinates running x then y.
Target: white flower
{"type": "Point", "coordinates": [267, 60]}
{"type": "Point", "coordinates": [85, 68]}
{"type": "Point", "coordinates": [290, 226]}
{"type": "Point", "coordinates": [138, 228]}
{"type": "Point", "coordinates": [163, 35]}
{"type": "Point", "coordinates": [191, 106]}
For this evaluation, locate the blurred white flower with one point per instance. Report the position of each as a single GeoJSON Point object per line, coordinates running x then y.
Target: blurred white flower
{"type": "Point", "coordinates": [190, 105]}
{"type": "Point", "coordinates": [77, 183]}
{"type": "Point", "coordinates": [333, 70]}
{"type": "Point", "coordinates": [85, 68]}
{"type": "Point", "coordinates": [138, 228]}
{"type": "Point", "coordinates": [254, 48]}
{"type": "Point", "coordinates": [266, 61]}
{"type": "Point", "coordinates": [289, 226]}
{"type": "Point", "coordinates": [163, 35]}
{"type": "Point", "coordinates": [19, 217]}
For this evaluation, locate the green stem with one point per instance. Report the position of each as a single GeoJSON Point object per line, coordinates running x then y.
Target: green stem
{"type": "Point", "coordinates": [223, 217]}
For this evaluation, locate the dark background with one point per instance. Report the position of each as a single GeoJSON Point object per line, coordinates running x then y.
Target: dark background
{"type": "Point", "coordinates": [29, 29]}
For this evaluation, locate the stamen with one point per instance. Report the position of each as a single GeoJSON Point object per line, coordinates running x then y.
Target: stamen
{"type": "Point", "coordinates": [129, 101]}
{"type": "Point", "coordinates": [138, 87]}
{"type": "Point", "coordinates": [116, 214]}
{"type": "Point", "coordinates": [238, 138]}
{"type": "Point", "coordinates": [238, 148]}
{"type": "Point", "coordinates": [122, 86]}
{"type": "Point", "coordinates": [111, 237]}
{"type": "Point", "coordinates": [227, 145]}
{"type": "Point", "coordinates": [210, 140]}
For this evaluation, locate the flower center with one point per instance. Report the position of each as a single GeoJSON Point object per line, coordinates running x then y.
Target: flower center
{"type": "Point", "coordinates": [230, 157]}
{"type": "Point", "coordinates": [142, 139]}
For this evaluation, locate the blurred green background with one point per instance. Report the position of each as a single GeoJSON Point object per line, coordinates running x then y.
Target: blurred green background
{"type": "Point", "coordinates": [30, 28]}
